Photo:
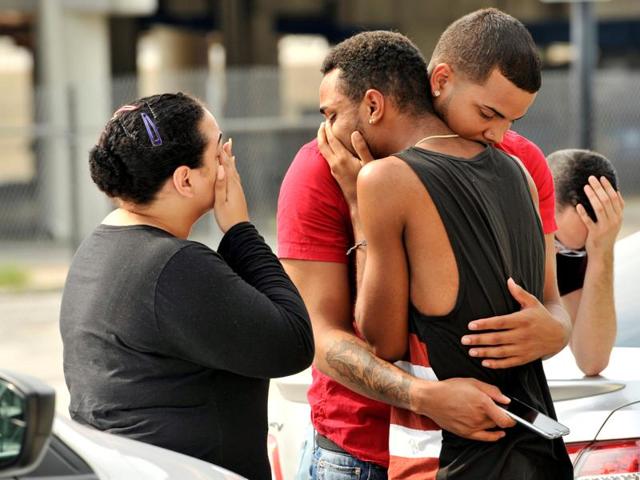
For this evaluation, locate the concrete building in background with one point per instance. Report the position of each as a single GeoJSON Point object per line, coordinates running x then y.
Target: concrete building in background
{"type": "Point", "coordinates": [72, 73]}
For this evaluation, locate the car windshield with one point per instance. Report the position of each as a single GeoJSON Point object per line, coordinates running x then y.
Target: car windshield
{"type": "Point", "coordinates": [627, 290]}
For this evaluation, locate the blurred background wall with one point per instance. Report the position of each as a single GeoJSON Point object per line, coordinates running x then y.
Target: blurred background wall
{"type": "Point", "coordinates": [66, 65]}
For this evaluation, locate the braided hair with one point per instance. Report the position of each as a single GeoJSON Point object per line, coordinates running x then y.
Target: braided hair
{"type": "Point", "coordinates": [144, 142]}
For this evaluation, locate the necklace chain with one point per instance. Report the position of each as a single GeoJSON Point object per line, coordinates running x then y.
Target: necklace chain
{"type": "Point", "coordinates": [433, 137]}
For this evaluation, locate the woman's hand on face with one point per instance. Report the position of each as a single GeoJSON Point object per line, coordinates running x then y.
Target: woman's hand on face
{"type": "Point", "coordinates": [230, 205]}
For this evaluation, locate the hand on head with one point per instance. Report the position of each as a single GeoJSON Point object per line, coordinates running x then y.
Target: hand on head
{"type": "Point", "coordinates": [230, 205]}
{"type": "Point", "coordinates": [608, 206]}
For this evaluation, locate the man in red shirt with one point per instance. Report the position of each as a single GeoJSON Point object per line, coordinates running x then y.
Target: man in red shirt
{"type": "Point", "coordinates": [352, 388]}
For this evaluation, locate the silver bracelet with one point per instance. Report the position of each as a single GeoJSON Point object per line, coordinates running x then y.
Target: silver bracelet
{"type": "Point", "coordinates": [361, 243]}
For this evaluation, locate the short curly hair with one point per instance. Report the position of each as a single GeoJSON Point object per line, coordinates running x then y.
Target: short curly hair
{"type": "Point", "coordinates": [125, 164]}
{"type": "Point", "coordinates": [486, 39]}
{"type": "Point", "coordinates": [385, 61]}
{"type": "Point", "coordinates": [571, 169]}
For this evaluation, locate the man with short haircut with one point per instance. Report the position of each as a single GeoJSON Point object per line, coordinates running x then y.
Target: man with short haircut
{"type": "Point", "coordinates": [314, 231]}
{"type": "Point", "coordinates": [589, 213]}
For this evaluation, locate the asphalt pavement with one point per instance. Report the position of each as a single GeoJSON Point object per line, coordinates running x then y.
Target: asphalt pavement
{"type": "Point", "coordinates": [30, 339]}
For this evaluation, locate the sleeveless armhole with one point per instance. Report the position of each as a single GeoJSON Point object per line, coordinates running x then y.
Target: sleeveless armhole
{"type": "Point", "coordinates": [408, 156]}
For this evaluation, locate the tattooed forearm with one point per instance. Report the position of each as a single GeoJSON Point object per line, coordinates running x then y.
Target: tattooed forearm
{"type": "Point", "coordinates": [359, 369]}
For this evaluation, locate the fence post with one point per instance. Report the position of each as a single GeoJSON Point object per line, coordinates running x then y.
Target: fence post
{"type": "Point", "coordinates": [584, 38]}
{"type": "Point", "coordinates": [74, 195]}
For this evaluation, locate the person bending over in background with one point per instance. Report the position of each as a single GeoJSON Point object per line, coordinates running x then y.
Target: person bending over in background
{"type": "Point", "coordinates": [167, 341]}
{"type": "Point", "coordinates": [589, 213]}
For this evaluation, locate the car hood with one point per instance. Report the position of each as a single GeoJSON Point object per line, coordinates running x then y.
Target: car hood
{"type": "Point", "coordinates": [117, 458]}
{"type": "Point", "coordinates": [600, 407]}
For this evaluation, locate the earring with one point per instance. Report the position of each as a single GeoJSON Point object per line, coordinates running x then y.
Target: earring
{"type": "Point", "coordinates": [436, 93]}
{"type": "Point", "coordinates": [371, 121]}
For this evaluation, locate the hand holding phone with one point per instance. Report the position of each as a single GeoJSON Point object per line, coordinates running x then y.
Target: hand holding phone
{"type": "Point", "coordinates": [534, 420]}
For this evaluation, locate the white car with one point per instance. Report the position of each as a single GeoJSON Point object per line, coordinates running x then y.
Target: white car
{"type": "Point", "coordinates": [603, 412]}
{"type": "Point", "coordinates": [35, 445]}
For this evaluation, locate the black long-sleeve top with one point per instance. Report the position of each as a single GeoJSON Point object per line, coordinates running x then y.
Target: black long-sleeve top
{"type": "Point", "coordinates": [170, 343]}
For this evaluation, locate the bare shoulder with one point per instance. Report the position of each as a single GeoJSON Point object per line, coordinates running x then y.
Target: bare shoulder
{"type": "Point", "coordinates": [393, 180]}
{"type": "Point", "coordinates": [388, 172]}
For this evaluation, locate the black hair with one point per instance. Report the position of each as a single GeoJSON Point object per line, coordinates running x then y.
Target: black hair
{"type": "Point", "coordinates": [571, 170]}
{"type": "Point", "coordinates": [131, 162]}
{"type": "Point", "coordinates": [385, 61]}
{"type": "Point", "coordinates": [486, 39]}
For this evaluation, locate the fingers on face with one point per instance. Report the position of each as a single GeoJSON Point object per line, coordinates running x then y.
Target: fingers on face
{"type": "Point", "coordinates": [221, 185]}
{"type": "Point", "coordinates": [227, 147]}
{"type": "Point", "coordinates": [228, 161]}
{"type": "Point", "coordinates": [220, 176]}
{"type": "Point", "coordinates": [360, 146]}
{"type": "Point", "coordinates": [334, 143]}
{"type": "Point", "coordinates": [323, 144]}
{"type": "Point", "coordinates": [320, 135]}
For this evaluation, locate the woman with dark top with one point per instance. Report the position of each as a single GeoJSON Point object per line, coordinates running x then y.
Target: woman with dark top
{"type": "Point", "coordinates": [165, 340]}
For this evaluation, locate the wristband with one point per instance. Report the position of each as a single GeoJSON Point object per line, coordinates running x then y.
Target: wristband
{"type": "Point", "coordinates": [361, 243]}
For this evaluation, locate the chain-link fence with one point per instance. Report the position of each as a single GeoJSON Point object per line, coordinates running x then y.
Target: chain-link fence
{"type": "Point", "coordinates": [248, 105]}
{"type": "Point", "coordinates": [553, 124]}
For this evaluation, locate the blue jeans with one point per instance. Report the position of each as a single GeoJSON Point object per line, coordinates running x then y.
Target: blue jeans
{"type": "Point", "coordinates": [306, 455]}
{"type": "Point", "coordinates": [328, 465]}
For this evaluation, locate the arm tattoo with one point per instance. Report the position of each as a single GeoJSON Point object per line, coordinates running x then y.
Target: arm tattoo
{"type": "Point", "coordinates": [358, 368]}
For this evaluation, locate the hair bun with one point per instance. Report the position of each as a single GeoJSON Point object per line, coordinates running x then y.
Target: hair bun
{"type": "Point", "coordinates": [108, 171]}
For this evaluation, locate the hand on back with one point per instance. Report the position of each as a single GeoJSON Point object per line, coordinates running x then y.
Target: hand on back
{"type": "Point", "coordinates": [516, 338]}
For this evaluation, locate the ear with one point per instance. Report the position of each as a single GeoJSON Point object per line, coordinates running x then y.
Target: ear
{"type": "Point", "coordinates": [374, 102]}
{"type": "Point", "coordinates": [182, 181]}
{"type": "Point", "coordinates": [440, 78]}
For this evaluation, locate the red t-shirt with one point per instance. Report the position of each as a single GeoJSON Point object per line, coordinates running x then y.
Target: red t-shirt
{"type": "Point", "coordinates": [535, 162]}
{"type": "Point", "coordinates": [314, 224]}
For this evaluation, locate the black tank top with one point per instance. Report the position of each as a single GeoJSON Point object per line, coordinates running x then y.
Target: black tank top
{"type": "Point", "coordinates": [495, 233]}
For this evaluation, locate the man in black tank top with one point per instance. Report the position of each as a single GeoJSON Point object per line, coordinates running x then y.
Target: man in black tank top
{"type": "Point", "coordinates": [447, 222]}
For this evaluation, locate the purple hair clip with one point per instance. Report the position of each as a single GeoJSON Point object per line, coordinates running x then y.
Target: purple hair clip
{"type": "Point", "coordinates": [152, 130]}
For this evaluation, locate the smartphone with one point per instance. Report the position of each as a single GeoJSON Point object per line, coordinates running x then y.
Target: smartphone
{"type": "Point", "coordinates": [534, 420]}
